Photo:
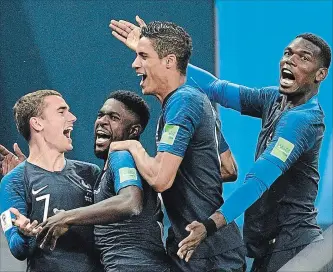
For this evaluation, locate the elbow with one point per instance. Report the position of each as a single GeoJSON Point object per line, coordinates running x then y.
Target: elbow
{"type": "Point", "coordinates": [162, 186]}
{"type": "Point", "coordinates": [230, 177]}
{"type": "Point", "coordinates": [21, 256]}
{"type": "Point", "coordinates": [135, 207]}
{"type": "Point", "coordinates": [135, 210]}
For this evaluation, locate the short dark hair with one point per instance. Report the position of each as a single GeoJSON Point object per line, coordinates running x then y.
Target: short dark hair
{"type": "Point", "coordinates": [30, 105]}
{"type": "Point", "coordinates": [325, 50]}
{"type": "Point", "coordinates": [134, 103]}
{"type": "Point", "coordinates": [169, 38]}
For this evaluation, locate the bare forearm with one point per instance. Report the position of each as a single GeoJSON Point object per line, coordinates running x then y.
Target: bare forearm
{"type": "Point", "coordinates": [218, 219]}
{"type": "Point", "coordinates": [107, 211]}
{"type": "Point", "coordinates": [147, 166]}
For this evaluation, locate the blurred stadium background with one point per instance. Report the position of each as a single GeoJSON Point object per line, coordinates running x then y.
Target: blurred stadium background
{"type": "Point", "coordinates": [66, 45]}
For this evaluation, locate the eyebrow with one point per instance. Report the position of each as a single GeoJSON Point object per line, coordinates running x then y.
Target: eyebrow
{"type": "Point", "coordinates": [301, 51]}
{"type": "Point", "coordinates": [63, 108]}
{"type": "Point", "coordinates": [143, 54]}
{"type": "Point", "coordinates": [108, 112]}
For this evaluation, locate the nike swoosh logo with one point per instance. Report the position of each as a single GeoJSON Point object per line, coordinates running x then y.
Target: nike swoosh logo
{"type": "Point", "coordinates": [35, 192]}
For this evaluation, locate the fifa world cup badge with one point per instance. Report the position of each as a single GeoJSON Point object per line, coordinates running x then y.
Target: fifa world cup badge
{"type": "Point", "coordinates": [6, 221]}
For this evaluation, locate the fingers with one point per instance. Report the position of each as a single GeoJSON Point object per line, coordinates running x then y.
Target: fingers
{"type": "Point", "coordinates": [5, 164]}
{"type": "Point", "coordinates": [128, 24]}
{"type": "Point", "coordinates": [53, 242]}
{"type": "Point", "coordinates": [191, 226]}
{"type": "Point", "coordinates": [121, 28]}
{"type": "Point", "coordinates": [41, 235]}
{"type": "Point", "coordinates": [3, 151]}
{"type": "Point", "coordinates": [15, 212]}
{"type": "Point", "coordinates": [119, 37]}
{"type": "Point", "coordinates": [45, 239]}
{"type": "Point", "coordinates": [188, 255]}
{"type": "Point", "coordinates": [21, 157]}
{"type": "Point", "coordinates": [140, 21]}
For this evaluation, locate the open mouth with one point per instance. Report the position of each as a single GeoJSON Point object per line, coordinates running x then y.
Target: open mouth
{"type": "Point", "coordinates": [143, 78]}
{"type": "Point", "coordinates": [67, 132]}
{"type": "Point", "coordinates": [287, 78]}
{"type": "Point", "coordinates": [102, 137]}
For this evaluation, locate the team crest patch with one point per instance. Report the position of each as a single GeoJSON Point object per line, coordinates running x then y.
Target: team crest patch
{"type": "Point", "coordinates": [127, 173]}
{"type": "Point", "coordinates": [6, 221]}
{"type": "Point", "coordinates": [282, 149]}
{"type": "Point", "coordinates": [169, 134]}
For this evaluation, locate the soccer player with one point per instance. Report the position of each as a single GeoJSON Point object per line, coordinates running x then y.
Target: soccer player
{"type": "Point", "coordinates": [280, 190]}
{"type": "Point", "coordinates": [45, 183]}
{"type": "Point", "coordinates": [130, 237]}
{"type": "Point", "coordinates": [186, 145]}
{"type": "Point", "coordinates": [125, 211]}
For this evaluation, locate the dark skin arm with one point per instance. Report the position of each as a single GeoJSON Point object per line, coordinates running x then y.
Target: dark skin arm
{"type": "Point", "coordinates": [128, 203]}
{"type": "Point", "coordinates": [228, 169]}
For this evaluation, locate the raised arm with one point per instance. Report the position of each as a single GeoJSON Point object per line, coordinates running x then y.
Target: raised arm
{"type": "Point", "coordinates": [294, 135]}
{"type": "Point", "coordinates": [182, 115]}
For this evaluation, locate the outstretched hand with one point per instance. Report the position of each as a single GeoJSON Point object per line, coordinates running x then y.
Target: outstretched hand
{"type": "Point", "coordinates": [24, 225]}
{"type": "Point", "coordinates": [191, 242]}
{"type": "Point", "coordinates": [127, 32]}
{"type": "Point", "coordinates": [9, 160]}
{"type": "Point", "coordinates": [52, 228]}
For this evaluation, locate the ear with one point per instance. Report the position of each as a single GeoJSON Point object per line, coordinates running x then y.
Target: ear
{"type": "Point", "coordinates": [171, 61]}
{"type": "Point", "coordinates": [321, 74]}
{"type": "Point", "coordinates": [135, 131]}
{"type": "Point", "coordinates": [35, 124]}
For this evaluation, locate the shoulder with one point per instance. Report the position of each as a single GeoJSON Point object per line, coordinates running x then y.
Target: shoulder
{"type": "Point", "coordinates": [122, 155]}
{"type": "Point", "coordinates": [119, 159]}
{"type": "Point", "coordinates": [186, 96]}
{"type": "Point", "coordinates": [84, 168]}
{"type": "Point", "coordinates": [82, 164]}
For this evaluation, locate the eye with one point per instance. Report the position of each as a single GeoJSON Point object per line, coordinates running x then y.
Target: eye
{"type": "Point", "coordinates": [286, 53]}
{"type": "Point", "coordinates": [305, 58]}
{"type": "Point", "coordinates": [114, 118]}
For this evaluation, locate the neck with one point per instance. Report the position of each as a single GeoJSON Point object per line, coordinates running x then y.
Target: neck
{"type": "Point", "coordinates": [172, 83]}
{"type": "Point", "coordinates": [45, 157]}
{"type": "Point", "coordinates": [299, 99]}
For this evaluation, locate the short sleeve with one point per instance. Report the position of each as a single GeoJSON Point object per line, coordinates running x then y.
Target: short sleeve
{"type": "Point", "coordinates": [124, 172]}
{"type": "Point", "coordinates": [182, 115]}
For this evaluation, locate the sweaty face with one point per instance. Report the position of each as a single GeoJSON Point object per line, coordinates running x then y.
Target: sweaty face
{"type": "Point", "coordinates": [112, 124]}
{"type": "Point", "coordinates": [150, 67]}
{"type": "Point", "coordinates": [298, 67]}
{"type": "Point", "coordinates": [57, 122]}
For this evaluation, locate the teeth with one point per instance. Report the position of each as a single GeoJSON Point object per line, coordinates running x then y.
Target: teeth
{"type": "Point", "coordinates": [287, 71]}
{"type": "Point", "coordinates": [139, 75]}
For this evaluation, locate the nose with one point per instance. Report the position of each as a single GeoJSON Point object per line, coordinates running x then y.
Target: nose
{"type": "Point", "coordinates": [136, 63]}
{"type": "Point", "coordinates": [101, 120]}
{"type": "Point", "coordinates": [72, 117]}
{"type": "Point", "coordinates": [291, 60]}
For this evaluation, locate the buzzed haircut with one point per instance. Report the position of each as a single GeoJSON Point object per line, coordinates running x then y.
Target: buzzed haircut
{"type": "Point", "coordinates": [30, 105]}
{"type": "Point", "coordinates": [134, 103]}
{"type": "Point", "coordinates": [169, 38]}
{"type": "Point", "coordinates": [325, 50]}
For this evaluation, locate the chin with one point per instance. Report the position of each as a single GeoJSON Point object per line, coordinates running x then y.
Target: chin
{"type": "Point", "coordinates": [101, 153]}
{"type": "Point", "coordinates": [289, 90]}
{"type": "Point", "coordinates": [69, 148]}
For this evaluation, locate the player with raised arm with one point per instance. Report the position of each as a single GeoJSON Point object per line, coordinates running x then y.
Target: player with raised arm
{"type": "Point", "coordinates": [187, 142]}
{"type": "Point", "coordinates": [280, 190]}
